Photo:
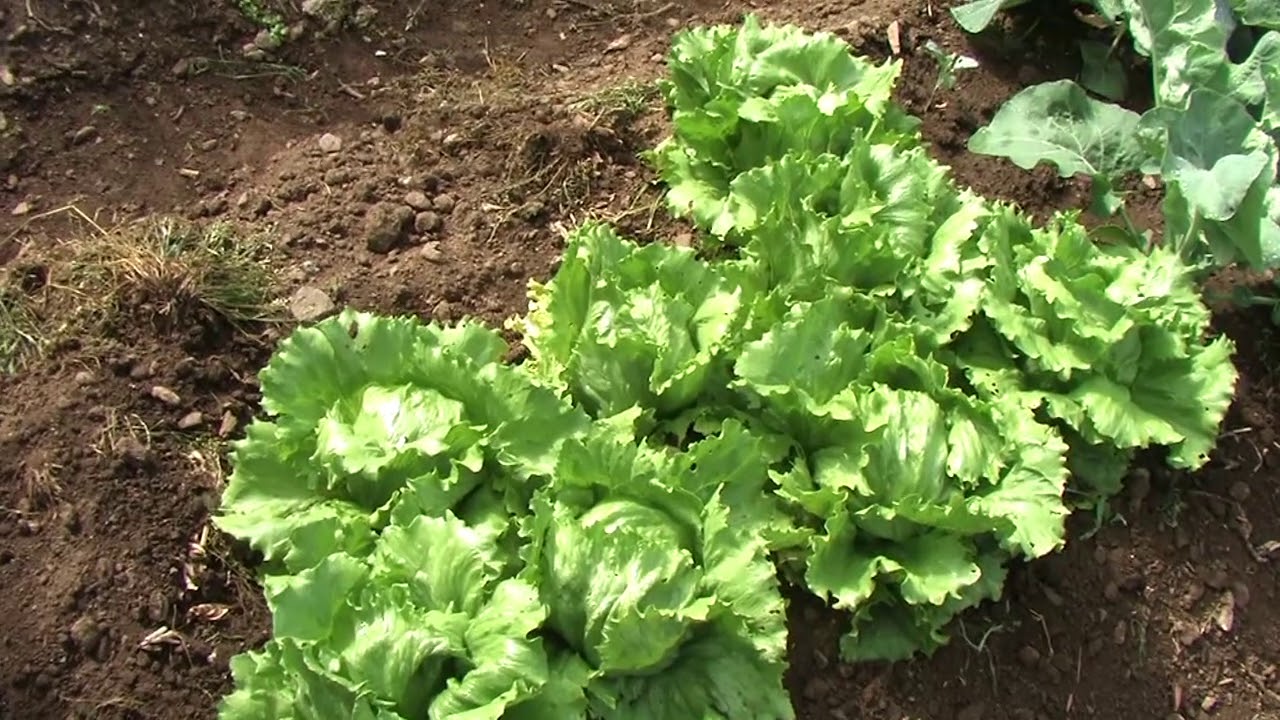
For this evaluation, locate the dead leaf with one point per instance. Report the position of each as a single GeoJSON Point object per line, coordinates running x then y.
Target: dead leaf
{"type": "Point", "coordinates": [208, 612]}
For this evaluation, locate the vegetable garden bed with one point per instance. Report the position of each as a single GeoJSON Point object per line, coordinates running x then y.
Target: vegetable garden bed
{"type": "Point", "coordinates": [849, 363]}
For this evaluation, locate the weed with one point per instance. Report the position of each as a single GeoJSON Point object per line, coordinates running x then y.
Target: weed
{"type": "Point", "coordinates": [174, 271]}
{"type": "Point", "coordinates": [620, 104]}
{"type": "Point", "coordinates": [256, 12]}
{"type": "Point", "coordinates": [20, 334]}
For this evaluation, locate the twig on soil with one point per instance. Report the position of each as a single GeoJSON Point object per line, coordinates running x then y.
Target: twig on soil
{"type": "Point", "coordinates": [1044, 627]}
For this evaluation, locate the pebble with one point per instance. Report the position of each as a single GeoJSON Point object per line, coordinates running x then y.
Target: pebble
{"type": "Point", "coordinates": [310, 304]}
{"type": "Point", "coordinates": [1225, 617]}
{"type": "Point", "coordinates": [431, 252]}
{"type": "Point", "coordinates": [84, 377]}
{"type": "Point", "coordinates": [266, 40]}
{"type": "Point", "coordinates": [84, 134]}
{"type": "Point", "coordinates": [1120, 633]}
{"type": "Point", "coordinates": [22, 208]}
{"type": "Point", "coordinates": [165, 395]}
{"type": "Point", "coordinates": [86, 634]}
{"type": "Point", "coordinates": [191, 420]}
{"type": "Point", "coordinates": [330, 143]}
{"type": "Point", "coordinates": [417, 200]}
{"type": "Point", "coordinates": [229, 424]}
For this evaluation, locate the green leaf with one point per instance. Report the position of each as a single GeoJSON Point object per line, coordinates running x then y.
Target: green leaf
{"type": "Point", "coordinates": [975, 16]}
{"type": "Point", "coordinates": [1102, 72]}
{"type": "Point", "coordinates": [1058, 123]}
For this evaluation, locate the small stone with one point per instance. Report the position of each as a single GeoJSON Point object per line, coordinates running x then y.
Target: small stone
{"type": "Point", "coordinates": [266, 40]}
{"type": "Point", "coordinates": [550, 13]}
{"type": "Point", "coordinates": [239, 115]}
{"type": "Point", "coordinates": [311, 304]}
{"type": "Point", "coordinates": [619, 44]}
{"type": "Point", "coordinates": [452, 140]}
{"type": "Point", "coordinates": [84, 377]}
{"type": "Point", "coordinates": [427, 222]}
{"type": "Point", "coordinates": [431, 252]}
{"type": "Point", "coordinates": [85, 634]}
{"type": "Point", "coordinates": [158, 607]}
{"type": "Point", "coordinates": [1225, 617]}
{"type": "Point", "coordinates": [1120, 633]}
{"type": "Point", "coordinates": [330, 143]}
{"type": "Point", "coordinates": [417, 200]}
{"type": "Point", "coordinates": [165, 395]}
{"type": "Point", "coordinates": [228, 425]}
{"type": "Point", "coordinates": [84, 135]}
{"type": "Point", "coordinates": [1209, 703]}
{"type": "Point", "coordinates": [445, 203]}
{"type": "Point", "coordinates": [1239, 490]}
{"type": "Point", "coordinates": [181, 68]}
{"type": "Point", "coordinates": [253, 53]}
{"type": "Point", "coordinates": [1029, 656]}
{"type": "Point", "coordinates": [191, 420]}
{"type": "Point", "coordinates": [21, 209]}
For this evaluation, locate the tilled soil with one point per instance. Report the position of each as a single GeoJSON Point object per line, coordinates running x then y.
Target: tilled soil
{"type": "Point", "coordinates": [427, 164]}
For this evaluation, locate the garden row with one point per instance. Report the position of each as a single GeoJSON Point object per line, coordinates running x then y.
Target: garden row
{"type": "Point", "coordinates": [867, 382]}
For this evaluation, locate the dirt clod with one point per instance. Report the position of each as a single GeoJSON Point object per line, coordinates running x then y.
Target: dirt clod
{"type": "Point", "coordinates": [387, 227]}
{"type": "Point", "coordinates": [417, 200]}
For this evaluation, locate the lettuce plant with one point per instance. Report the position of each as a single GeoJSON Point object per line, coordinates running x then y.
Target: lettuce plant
{"type": "Point", "coordinates": [879, 389]}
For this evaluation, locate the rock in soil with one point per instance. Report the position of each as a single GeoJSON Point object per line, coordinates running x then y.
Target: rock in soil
{"type": "Point", "coordinates": [431, 252]}
{"type": "Point", "coordinates": [310, 304]}
{"type": "Point", "coordinates": [191, 420]}
{"type": "Point", "coordinates": [330, 143]}
{"type": "Point", "coordinates": [165, 395]}
{"type": "Point", "coordinates": [387, 227]}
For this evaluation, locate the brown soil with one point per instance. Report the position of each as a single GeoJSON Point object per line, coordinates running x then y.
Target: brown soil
{"type": "Point", "coordinates": [105, 491]}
